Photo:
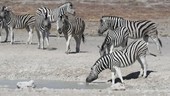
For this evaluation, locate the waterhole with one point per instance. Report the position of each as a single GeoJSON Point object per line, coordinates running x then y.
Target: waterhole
{"type": "Point", "coordinates": [56, 84]}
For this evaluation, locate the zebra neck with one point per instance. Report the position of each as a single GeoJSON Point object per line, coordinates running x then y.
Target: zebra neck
{"type": "Point", "coordinates": [101, 65]}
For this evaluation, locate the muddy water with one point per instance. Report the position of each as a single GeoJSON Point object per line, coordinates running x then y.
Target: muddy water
{"type": "Point", "coordinates": [54, 84]}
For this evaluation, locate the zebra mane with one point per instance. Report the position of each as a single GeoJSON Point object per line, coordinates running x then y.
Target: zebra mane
{"type": "Point", "coordinates": [111, 17]}
{"type": "Point", "coordinates": [67, 3]}
{"type": "Point", "coordinates": [64, 4]}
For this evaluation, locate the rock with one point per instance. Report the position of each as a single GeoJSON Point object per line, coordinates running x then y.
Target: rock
{"type": "Point", "coordinates": [26, 84]}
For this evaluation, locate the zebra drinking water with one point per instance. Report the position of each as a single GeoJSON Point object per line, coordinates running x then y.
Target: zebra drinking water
{"type": "Point", "coordinates": [137, 50]}
{"type": "Point", "coordinates": [42, 26]}
{"type": "Point", "coordinates": [114, 38]}
{"type": "Point", "coordinates": [19, 22]}
{"type": "Point", "coordinates": [54, 14]}
{"type": "Point", "coordinates": [138, 29]}
{"type": "Point", "coordinates": [71, 26]}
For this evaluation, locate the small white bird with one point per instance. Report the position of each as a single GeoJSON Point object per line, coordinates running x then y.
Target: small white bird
{"type": "Point", "coordinates": [26, 84]}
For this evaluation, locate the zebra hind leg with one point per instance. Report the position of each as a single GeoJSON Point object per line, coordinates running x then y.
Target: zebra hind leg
{"type": "Point", "coordinates": [78, 42]}
{"type": "Point", "coordinates": [68, 44]}
{"type": "Point", "coordinates": [7, 33]}
{"type": "Point", "coordinates": [30, 34]}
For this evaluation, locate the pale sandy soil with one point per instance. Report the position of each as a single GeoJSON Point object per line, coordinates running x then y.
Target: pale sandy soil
{"type": "Point", "coordinates": [21, 61]}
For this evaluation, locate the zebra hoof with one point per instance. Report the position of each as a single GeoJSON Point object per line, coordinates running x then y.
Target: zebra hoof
{"type": "Point", "coordinates": [11, 43]}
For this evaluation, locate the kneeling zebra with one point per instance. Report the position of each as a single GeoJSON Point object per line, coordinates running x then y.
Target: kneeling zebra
{"type": "Point", "coordinates": [137, 50]}
{"type": "Point", "coordinates": [71, 26]}
{"type": "Point", "coordinates": [114, 38]}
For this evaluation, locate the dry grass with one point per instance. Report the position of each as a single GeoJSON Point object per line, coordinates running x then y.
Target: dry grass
{"type": "Point", "coordinates": [93, 11]}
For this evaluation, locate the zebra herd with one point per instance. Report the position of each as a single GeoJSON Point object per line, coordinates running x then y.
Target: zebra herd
{"type": "Point", "coordinates": [118, 31]}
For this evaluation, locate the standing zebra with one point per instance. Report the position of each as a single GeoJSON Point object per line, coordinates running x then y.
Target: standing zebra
{"type": "Point", "coordinates": [114, 38]}
{"type": "Point", "coordinates": [137, 50]}
{"type": "Point", "coordinates": [71, 26]}
{"type": "Point", "coordinates": [3, 25]}
{"type": "Point", "coordinates": [138, 29]}
{"type": "Point", "coordinates": [42, 26]}
{"type": "Point", "coordinates": [19, 22]}
{"type": "Point", "coordinates": [57, 12]}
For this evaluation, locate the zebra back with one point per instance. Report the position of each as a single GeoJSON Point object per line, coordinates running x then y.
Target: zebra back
{"type": "Point", "coordinates": [17, 21]}
{"type": "Point", "coordinates": [54, 14]}
{"type": "Point", "coordinates": [122, 58]}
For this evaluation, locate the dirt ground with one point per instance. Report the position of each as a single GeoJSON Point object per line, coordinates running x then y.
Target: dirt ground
{"type": "Point", "coordinates": [21, 61]}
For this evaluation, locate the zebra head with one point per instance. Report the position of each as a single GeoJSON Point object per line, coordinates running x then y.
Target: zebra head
{"type": "Point", "coordinates": [3, 11]}
{"type": "Point", "coordinates": [69, 7]}
{"type": "Point", "coordinates": [102, 27]}
{"type": "Point", "coordinates": [92, 76]}
{"type": "Point", "coordinates": [61, 22]}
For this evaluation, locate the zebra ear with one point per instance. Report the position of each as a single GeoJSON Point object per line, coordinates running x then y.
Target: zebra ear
{"type": "Point", "coordinates": [101, 21]}
{"type": "Point", "coordinates": [3, 8]}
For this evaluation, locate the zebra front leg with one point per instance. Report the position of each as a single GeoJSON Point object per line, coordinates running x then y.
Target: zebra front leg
{"type": "Point", "coordinates": [12, 35]}
{"type": "Point", "coordinates": [119, 74]}
{"type": "Point", "coordinates": [144, 63]}
{"type": "Point", "coordinates": [142, 67]}
{"type": "Point", "coordinates": [47, 39]}
{"type": "Point", "coordinates": [111, 48]}
{"type": "Point", "coordinates": [7, 33]}
{"type": "Point", "coordinates": [143, 71]}
{"type": "Point", "coordinates": [117, 86]}
{"type": "Point", "coordinates": [68, 44]}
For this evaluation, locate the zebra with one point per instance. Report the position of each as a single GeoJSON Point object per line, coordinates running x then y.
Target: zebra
{"type": "Point", "coordinates": [42, 26]}
{"type": "Point", "coordinates": [138, 29]}
{"type": "Point", "coordinates": [54, 14]}
{"type": "Point", "coordinates": [12, 20]}
{"type": "Point", "coordinates": [71, 26]}
{"type": "Point", "coordinates": [114, 38]}
{"type": "Point", "coordinates": [136, 50]}
{"type": "Point", "coordinates": [3, 26]}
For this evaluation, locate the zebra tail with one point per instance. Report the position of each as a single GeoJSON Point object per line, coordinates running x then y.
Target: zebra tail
{"type": "Point", "coordinates": [160, 42]}
{"type": "Point", "coordinates": [152, 54]}
{"type": "Point", "coordinates": [83, 38]}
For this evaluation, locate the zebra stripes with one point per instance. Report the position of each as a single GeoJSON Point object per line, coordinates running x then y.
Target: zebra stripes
{"type": "Point", "coordinates": [54, 14]}
{"type": "Point", "coordinates": [114, 38]}
{"type": "Point", "coordinates": [42, 26]}
{"type": "Point", "coordinates": [71, 26]}
{"type": "Point", "coordinates": [137, 29]}
{"type": "Point", "coordinates": [19, 22]}
{"type": "Point", "coordinates": [3, 25]}
{"type": "Point", "coordinates": [137, 50]}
